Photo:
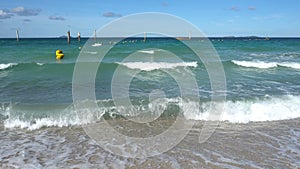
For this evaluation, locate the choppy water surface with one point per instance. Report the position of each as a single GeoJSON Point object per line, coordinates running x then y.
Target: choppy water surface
{"type": "Point", "coordinates": [258, 127]}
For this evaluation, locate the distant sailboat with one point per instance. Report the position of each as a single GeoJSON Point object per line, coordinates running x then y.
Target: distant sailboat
{"type": "Point", "coordinates": [95, 38]}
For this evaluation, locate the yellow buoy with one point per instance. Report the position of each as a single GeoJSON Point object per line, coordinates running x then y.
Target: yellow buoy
{"type": "Point", "coordinates": [59, 54]}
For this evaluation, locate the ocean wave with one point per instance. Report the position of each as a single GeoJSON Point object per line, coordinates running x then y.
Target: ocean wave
{"type": "Point", "coordinates": [26, 64]}
{"type": "Point", "coordinates": [290, 65]}
{"type": "Point", "coordinates": [39, 123]}
{"type": "Point", "coordinates": [91, 52]}
{"type": "Point", "coordinates": [268, 109]}
{"type": "Point", "coordinates": [32, 120]}
{"type": "Point", "coordinates": [4, 66]}
{"type": "Point", "coordinates": [8, 65]}
{"type": "Point", "coordinates": [259, 54]}
{"type": "Point", "coordinates": [147, 51]}
{"type": "Point", "coordinates": [257, 110]}
{"type": "Point", "coordinates": [286, 55]}
{"type": "Point", "coordinates": [97, 44]}
{"type": "Point", "coordinates": [255, 64]}
{"type": "Point", "coordinates": [290, 55]}
{"type": "Point", "coordinates": [266, 65]}
{"type": "Point", "coordinates": [149, 66]}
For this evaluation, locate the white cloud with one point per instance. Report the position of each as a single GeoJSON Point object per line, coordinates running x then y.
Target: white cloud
{"type": "Point", "coordinates": [21, 11]}
{"type": "Point", "coordinates": [18, 9]}
{"type": "Point", "coordinates": [4, 14]}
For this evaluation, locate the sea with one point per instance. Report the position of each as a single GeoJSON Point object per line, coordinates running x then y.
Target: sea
{"type": "Point", "coordinates": [140, 87]}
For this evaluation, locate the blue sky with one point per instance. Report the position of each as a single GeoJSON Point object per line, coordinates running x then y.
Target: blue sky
{"type": "Point", "coordinates": [52, 18]}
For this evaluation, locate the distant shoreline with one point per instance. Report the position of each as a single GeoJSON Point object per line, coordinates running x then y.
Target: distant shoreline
{"type": "Point", "coordinates": [184, 38]}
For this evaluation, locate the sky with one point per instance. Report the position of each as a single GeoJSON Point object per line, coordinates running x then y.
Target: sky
{"type": "Point", "coordinates": [215, 18]}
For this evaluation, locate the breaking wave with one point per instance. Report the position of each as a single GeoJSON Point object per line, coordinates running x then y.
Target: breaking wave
{"type": "Point", "coordinates": [8, 65]}
{"type": "Point", "coordinates": [263, 109]}
{"type": "Point", "coordinates": [149, 66]}
{"type": "Point", "coordinates": [266, 65]}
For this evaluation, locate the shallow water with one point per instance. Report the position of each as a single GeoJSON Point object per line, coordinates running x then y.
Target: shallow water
{"type": "Point", "coordinates": [254, 145]}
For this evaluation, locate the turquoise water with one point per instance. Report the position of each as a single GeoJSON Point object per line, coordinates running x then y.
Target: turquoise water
{"type": "Point", "coordinates": [258, 73]}
{"type": "Point", "coordinates": [258, 127]}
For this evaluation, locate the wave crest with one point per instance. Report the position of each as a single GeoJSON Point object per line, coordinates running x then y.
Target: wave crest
{"type": "Point", "coordinates": [267, 109]}
{"type": "Point", "coordinates": [149, 66]}
{"type": "Point", "coordinates": [290, 65]}
{"type": "Point", "coordinates": [266, 65]}
{"type": "Point", "coordinates": [8, 65]}
{"type": "Point", "coordinates": [147, 51]}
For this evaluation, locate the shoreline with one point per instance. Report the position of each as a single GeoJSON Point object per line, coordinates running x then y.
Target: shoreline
{"type": "Point", "coordinates": [265, 144]}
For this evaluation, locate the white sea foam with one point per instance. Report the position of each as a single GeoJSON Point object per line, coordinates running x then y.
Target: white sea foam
{"type": "Point", "coordinates": [59, 117]}
{"type": "Point", "coordinates": [266, 65]}
{"type": "Point", "coordinates": [259, 110]}
{"type": "Point", "coordinates": [8, 65]}
{"type": "Point", "coordinates": [39, 123]}
{"type": "Point", "coordinates": [147, 51]}
{"type": "Point", "coordinates": [255, 64]}
{"type": "Point", "coordinates": [97, 44]}
{"type": "Point", "coordinates": [259, 54]}
{"type": "Point", "coordinates": [290, 65]}
{"type": "Point", "coordinates": [149, 66]}
{"type": "Point", "coordinates": [286, 107]}
{"type": "Point", "coordinates": [5, 66]}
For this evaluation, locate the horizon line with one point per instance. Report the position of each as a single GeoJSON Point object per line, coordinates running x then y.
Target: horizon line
{"type": "Point", "coordinates": [185, 37]}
